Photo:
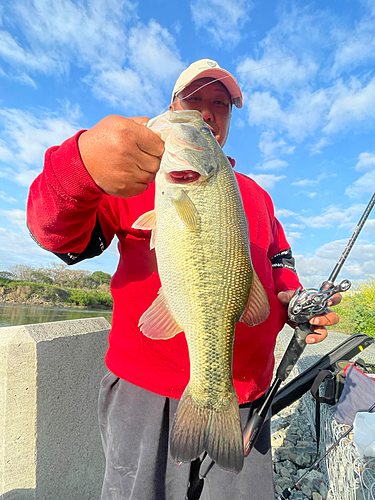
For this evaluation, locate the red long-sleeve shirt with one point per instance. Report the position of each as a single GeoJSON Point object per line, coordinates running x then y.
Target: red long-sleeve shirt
{"type": "Point", "coordinates": [70, 215]}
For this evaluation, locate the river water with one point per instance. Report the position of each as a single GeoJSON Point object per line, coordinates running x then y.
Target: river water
{"type": "Point", "coordinates": [17, 314]}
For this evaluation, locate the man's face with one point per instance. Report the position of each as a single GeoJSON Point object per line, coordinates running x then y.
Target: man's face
{"type": "Point", "coordinates": [214, 103]}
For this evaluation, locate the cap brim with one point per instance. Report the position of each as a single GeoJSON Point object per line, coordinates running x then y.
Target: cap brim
{"type": "Point", "coordinates": [221, 75]}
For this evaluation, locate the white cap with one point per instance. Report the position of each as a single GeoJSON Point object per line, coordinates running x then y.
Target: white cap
{"type": "Point", "coordinates": [208, 68]}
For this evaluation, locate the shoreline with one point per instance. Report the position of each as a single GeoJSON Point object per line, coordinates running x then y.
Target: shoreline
{"type": "Point", "coordinates": [50, 296]}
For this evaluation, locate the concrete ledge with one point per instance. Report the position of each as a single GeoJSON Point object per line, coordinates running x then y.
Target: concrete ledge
{"type": "Point", "coordinates": [49, 380]}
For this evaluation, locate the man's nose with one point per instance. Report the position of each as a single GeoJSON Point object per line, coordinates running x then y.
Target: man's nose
{"type": "Point", "coordinates": [207, 114]}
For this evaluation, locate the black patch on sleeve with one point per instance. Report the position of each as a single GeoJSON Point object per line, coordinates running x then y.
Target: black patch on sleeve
{"type": "Point", "coordinates": [284, 259]}
{"type": "Point", "coordinates": [96, 246]}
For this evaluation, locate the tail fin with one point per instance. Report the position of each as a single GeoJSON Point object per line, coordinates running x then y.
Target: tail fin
{"type": "Point", "coordinates": [197, 429]}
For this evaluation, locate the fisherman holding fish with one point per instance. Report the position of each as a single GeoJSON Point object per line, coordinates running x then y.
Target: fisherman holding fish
{"type": "Point", "coordinates": [200, 292]}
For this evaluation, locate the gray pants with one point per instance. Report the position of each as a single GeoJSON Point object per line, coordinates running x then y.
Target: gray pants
{"type": "Point", "coordinates": [135, 425]}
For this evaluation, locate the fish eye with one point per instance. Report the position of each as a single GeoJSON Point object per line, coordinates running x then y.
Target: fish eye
{"type": "Point", "coordinates": [205, 130]}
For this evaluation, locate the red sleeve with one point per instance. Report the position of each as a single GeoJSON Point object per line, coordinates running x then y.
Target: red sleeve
{"type": "Point", "coordinates": [65, 205]}
{"type": "Point", "coordinates": [280, 254]}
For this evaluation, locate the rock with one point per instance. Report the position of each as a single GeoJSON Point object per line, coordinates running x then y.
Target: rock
{"type": "Point", "coordinates": [302, 459]}
{"type": "Point", "coordinates": [316, 496]}
{"type": "Point", "coordinates": [306, 488]}
{"type": "Point", "coordinates": [323, 490]}
{"type": "Point", "coordinates": [285, 472]}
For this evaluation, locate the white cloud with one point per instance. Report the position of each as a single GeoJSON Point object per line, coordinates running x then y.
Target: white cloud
{"type": "Point", "coordinates": [16, 217]}
{"type": "Point", "coordinates": [333, 216]}
{"type": "Point", "coordinates": [316, 149]}
{"type": "Point", "coordinates": [355, 45]}
{"type": "Point", "coordinates": [267, 181]}
{"type": "Point", "coordinates": [366, 183]}
{"type": "Point", "coordinates": [222, 19]}
{"type": "Point", "coordinates": [8, 199]}
{"type": "Point", "coordinates": [13, 53]}
{"type": "Point", "coordinates": [277, 70]}
{"type": "Point", "coordinates": [293, 236]}
{"type": "Point", "coordinates": [153, 53]}
{"type": "Point", "coordinates": [366, 161]}
{"type": "Point", "coordinates": [119, 61]}
{"type": "Point", "coordinates": [154, 63]}
{"type": "Point", "coordinates": [240, 123]}
{"type": "Point", "coordinates": [300, 118]}
{"type": "Point", "coordinates": [270, 147]}
{"type": "Point", "coordinates": [274, 164]}
{"type": "Point", "coordinates": [288, 83]}
{"type": "Point", "coordinates": [305, 182]}
{"type": "Point", "coordinates": [26, 136]}
{"type": "Point", "coordinates": [313, 270]}
{"type": "Point", "coordinates": [355, 104]}
{"type": "Point", "coordinates": [284, 212]}
{"type": "Point", "coordinates": [19, 248]}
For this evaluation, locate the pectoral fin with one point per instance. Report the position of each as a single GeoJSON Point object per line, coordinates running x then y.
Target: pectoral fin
{"type": "Point", "coordinates": [186, 209]}
{"type": "Point", "coordinates": [147, 221]}
{"type": "Point", "coordinates": [157, 322]}
{"type": "Point", "coordinates": [257, 308]}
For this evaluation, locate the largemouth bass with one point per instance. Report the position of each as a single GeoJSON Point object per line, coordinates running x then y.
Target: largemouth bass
{"type": "Point", "coordinates": [200, 235]}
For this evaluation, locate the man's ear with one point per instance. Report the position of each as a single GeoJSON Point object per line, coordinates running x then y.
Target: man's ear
{"type": "Point", "coordinates": [171, 107]}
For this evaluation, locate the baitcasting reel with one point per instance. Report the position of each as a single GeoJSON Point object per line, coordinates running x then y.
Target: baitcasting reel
{"type": "Point", "coordinates": [308, 303]}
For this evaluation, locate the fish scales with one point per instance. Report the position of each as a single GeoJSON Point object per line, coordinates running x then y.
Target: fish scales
{"type": "Point", "coordinates": [202, 247]}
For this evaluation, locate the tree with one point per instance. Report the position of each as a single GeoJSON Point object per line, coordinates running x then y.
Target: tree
{"type": "Point", "coordinates": [22, 272]}
{"type": "Point", "coordinates": [7, 275]}
{"type": "Point", "coordinates": [101, 278]}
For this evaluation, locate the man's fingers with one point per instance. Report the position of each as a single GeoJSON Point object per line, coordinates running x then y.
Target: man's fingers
{"type": "Point", "coordinates": [145, 177]}
{"type": "Point", "coordinates": [285, 296]}
{"type": "Point", "coordinates": [320, 333]}
{"type": "Point", "coordinates": [327, 319]}
{"type": "Point", "coordinates": [334, 300]}
{"type": "Point", "coordinates": [149, 142]}
{"type": "Point", "coordinates": [142, 120]}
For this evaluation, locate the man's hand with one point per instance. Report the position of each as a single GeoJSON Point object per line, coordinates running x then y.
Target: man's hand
{"type": "Point", "coordinates": [121, 155]}
{"type": "Point", "coordinates": [318, 323]}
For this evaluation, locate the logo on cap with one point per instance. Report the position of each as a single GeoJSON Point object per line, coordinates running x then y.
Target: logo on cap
{"type": "Point", "coordinates": [211, 64]}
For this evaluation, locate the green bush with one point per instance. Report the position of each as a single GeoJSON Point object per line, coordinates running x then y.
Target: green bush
{"type": "Point", "coordinates": [90, 298]}
{"type": "Point", "coordinates": [357, 310]}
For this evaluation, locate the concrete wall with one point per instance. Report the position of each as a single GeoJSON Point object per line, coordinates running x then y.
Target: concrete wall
{"type": "Point", "coordinates": [50, 445]}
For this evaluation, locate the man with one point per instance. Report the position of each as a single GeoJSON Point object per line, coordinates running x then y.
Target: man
{"type": "Point", "coordinates": [95, 185]}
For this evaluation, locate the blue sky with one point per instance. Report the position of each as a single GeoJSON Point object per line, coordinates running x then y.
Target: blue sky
{"type": "Point", "coordinates": [306, 131]}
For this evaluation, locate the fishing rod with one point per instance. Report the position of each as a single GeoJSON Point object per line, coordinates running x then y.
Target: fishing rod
{"type": "Point", "coordinates": [303, 306]}
{"type": "Point", "coordinates": [314, 466]}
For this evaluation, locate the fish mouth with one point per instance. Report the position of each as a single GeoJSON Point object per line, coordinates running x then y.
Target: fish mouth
{"type": "Point", "coordinates": [183, 176]}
